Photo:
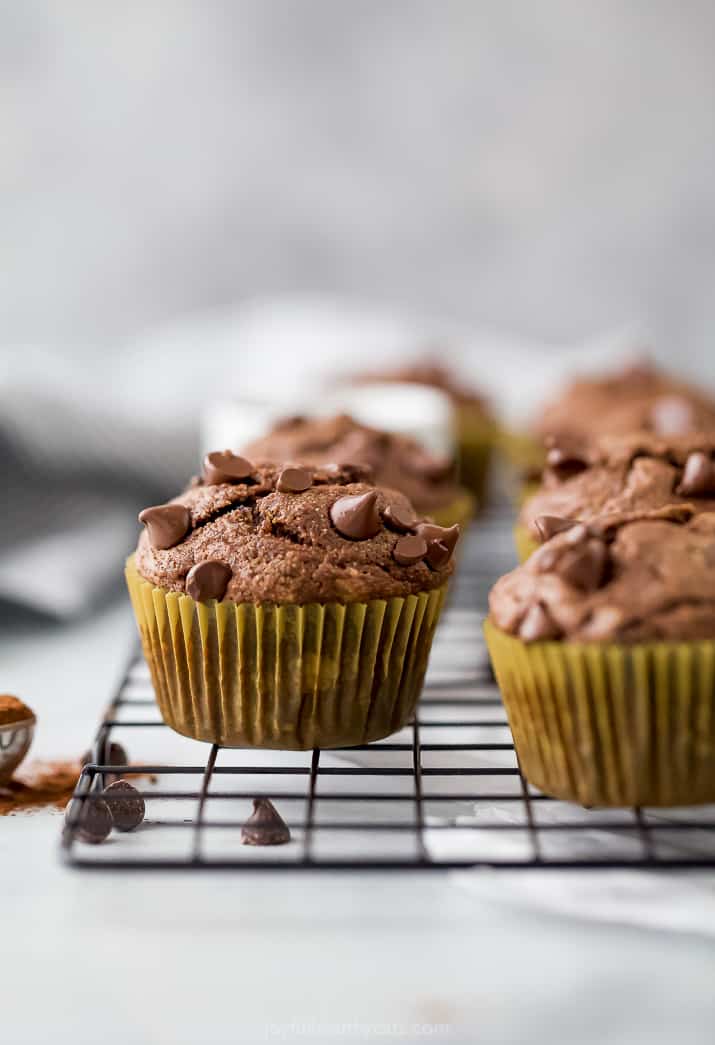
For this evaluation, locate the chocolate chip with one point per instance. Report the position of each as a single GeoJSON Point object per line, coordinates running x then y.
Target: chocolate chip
{"type": "Point", "coordinates": [410, 549]}
{"type": "Point", "coordinates": [224, 466]}
{"type": "Point", "coordinates": [584, 567]}
{"type": "Point", "coordinates": [565, 462]}
{"type": "Point", "coordinates": [357, 517]}
{"type": "Point", "coordinates": [113, 754]}
{"type": "Point", "coordinates": [438, 554]}
{"type": "Point", "coordinates": [547, 526]}
{"type": "Point", "coordinates": [401, 519]}
{"type": "Point", "coordinates": [265, 825]}
{"type": "Point", "coordinates": [94, 820]}
{"type": "Point", "coordinates": [208, 580]}
{"type": "Point", "coordinates": [125, 804]}
{"type": "Point", "coordinates": [294, 480]}
{"type": "Point", "coordinates": [698, 476]}
{"type": "Point", "coordinates": [671, 415]}
{"type": "Point", "coordinates": [446, 535]}
{"type": "Point", "coordinates": [166, 524]}
{"type": "Point", "coordinates": [537, 625]}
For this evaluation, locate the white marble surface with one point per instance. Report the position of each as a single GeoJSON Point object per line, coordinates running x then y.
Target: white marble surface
{"type": "Point", "coordinates": [224, 958]}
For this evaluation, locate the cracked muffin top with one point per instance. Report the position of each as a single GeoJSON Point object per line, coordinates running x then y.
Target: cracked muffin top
{"type": "Point", "coordinates": [617, 581]}
{"type": "Point", "coordinates": [265, 533]}
{"type": "Point", "coordinates": [620, 478]}
{"type": "Point", "coordinates": [397, 461]}
{"type": "Point", "coordinates": [637, 398]}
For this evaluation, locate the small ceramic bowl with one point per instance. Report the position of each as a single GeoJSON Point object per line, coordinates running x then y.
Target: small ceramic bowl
{"type": "Point", "coordinates": [15, 740]}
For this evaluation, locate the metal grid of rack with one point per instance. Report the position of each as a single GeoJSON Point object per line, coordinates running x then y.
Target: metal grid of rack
{"type": "Point", "coordinates": [446, 792]}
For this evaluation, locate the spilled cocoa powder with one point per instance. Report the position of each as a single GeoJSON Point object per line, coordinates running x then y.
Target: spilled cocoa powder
{"type": "Point", "coordinates": [41, 783]}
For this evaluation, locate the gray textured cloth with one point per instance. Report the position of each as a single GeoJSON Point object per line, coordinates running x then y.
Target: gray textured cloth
{"type": "Point", "coordinates": [74, 478]}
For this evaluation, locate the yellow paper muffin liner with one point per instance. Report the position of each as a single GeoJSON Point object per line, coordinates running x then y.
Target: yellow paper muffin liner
{"type": "Point", "coordinates": [525, 543]}
{"type": "Point", "coordinates": [608, 724]}
{"type": "Point", "coordinates": [523, 451]}
{"type": "Point", "coordinates": [284, 676]}
{"type": "Point", "coordinates": [476, 438]}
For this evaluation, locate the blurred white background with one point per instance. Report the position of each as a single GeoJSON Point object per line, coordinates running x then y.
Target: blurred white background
{"type": "Point", "coordinates": [543, 168]}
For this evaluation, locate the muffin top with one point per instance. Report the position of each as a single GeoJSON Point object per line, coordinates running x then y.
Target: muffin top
{"type": "Point", "coordinates": [620, 477]}
{"type": "Point", "coordinates": [638, 398]}
{"type": "Point", "coordinates": [397, 461]}
{"type": "Point", "coordinates": [632, 581]}
{"type": "Point", "coordinates": [433, 375]}
{"type": "Point", "coordinates": [264, 533]}
{"type": "Point", "coordinates": [13, 710]}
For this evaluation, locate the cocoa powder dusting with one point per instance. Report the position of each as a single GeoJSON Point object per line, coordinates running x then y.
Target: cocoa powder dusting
{"type": "Point", "coordinates": [40, 783]}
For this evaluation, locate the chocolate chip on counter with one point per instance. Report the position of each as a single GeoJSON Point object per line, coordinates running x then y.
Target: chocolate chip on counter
{"type": "Point", "coordinates": [294, 480]}
{"type": "Point", "coordinates": [547, 526]}
{"type": "Point", "coordinates": [94, 820]}
{"type": "Point", "coordinates": [537, 625]}
{"type": "Point", "coordinates": [112, 755]}
{"type": "Point", "coordinates": [208, 580]}
{"type": "Point", "coordinates": [403, 520]}
{"type": "Point", "coordinates": [125, 804]}
{"type": "Point", "coordinates": [265, 825]}
{"type": "Point", "coordinates": [166, 524]}
{"type": "Point", "coordinates": [357, 517]}
{"type": "Point", "coordinates": [698, 476]}
{"type": "Point", "coordinates": [671, 415]}
{"type": "Point", "coordinates": [410, 549]}
{"type": "Point", "coordinates": [224, 466]}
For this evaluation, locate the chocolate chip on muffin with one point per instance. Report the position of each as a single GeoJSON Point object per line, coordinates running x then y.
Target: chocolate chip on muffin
{"type": "Point", "coordinates": [619, 579]}
{"type": "Point", "coordinates": [627, 477]}
{"type": "Point", "coordinates": [396, 461]}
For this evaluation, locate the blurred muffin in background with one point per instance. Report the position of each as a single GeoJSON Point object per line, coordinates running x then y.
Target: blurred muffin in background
{"type": "Point", "coordinates": [616, 478]}
{"type": "Point", "coordinates": [474, 424]}
{"type": "Point", "coordinates": [637, 398]}
{"type": "Point", "coordinates": [397, 461]}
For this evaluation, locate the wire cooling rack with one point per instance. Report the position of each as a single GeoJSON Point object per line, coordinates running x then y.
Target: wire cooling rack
{"type": "Point", "coordinates": [444, 793]}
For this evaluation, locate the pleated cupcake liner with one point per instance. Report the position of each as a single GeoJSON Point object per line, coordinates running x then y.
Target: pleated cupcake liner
{"type": "Point", "coordinates": [522, 451]}
{"type": "Point", "coordinates": [524, 542]}
{"type": "Point", "coordinates": [284, 676]}
{"type": "Point", "coordinates": [475, 456]}
{"type": "Point", "coordinates": [608, 724]}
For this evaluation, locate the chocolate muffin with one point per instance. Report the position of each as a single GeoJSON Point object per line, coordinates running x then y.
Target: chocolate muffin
{"type": "Point", "coordinates": [396, 461]}
{"type": "Point", "coordinates": [638, 398]}
{"type": "Point", "coordinates": [287, 606]}
{"type": "Point", "coordinates": [620, 477]}
{"type": "Point", "coordinates": [473, 420]}
{"type": "Point", "coordinates": [603, 645]}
